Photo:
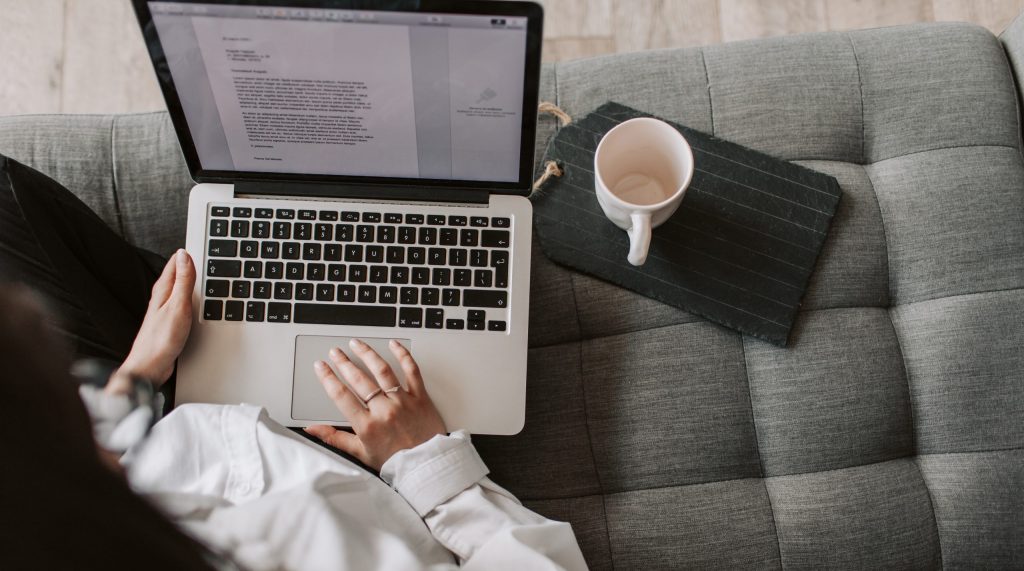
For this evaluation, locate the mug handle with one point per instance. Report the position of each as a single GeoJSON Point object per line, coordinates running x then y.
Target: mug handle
{"type": "Point", "coordinates": [639, 238]}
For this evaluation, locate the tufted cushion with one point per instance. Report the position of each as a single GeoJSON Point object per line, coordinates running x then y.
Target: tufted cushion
{"type": "Point", "coordinates": [890, 433]}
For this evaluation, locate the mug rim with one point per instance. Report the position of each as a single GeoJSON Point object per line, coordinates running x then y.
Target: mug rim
{"type": "Point", "coordinates": [644, 207]}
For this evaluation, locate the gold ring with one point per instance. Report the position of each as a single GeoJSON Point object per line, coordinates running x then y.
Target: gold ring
{"type": "Point", "coordinates": [393, 389]}
{"type": "Point", "coordinates": [370, 396]}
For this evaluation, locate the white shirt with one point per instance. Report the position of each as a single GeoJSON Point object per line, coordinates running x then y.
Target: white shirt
{"type": "Point", "coordinates": [268, 499]}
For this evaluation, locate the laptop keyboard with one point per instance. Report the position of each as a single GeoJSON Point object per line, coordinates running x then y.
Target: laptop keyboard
{"type": "Point", "coordinates": [336, 267]}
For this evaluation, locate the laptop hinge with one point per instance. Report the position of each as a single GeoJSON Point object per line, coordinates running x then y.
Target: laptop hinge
{"type": "Point", "coordinates": [363, 191]}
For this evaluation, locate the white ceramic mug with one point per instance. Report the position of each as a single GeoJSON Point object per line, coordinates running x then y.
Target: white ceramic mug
{"type": "Point", "coordinates": [641, 170]}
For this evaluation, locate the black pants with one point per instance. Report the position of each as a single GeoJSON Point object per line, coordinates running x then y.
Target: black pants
{"type": "Point", "coordinates": [95, 282]}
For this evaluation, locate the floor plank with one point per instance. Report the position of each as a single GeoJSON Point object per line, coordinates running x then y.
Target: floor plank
{"type": "Point", "coordinates": [561, 49]}
{"type": "Point", "coordinates": [31, 54]}
{"type": "Point", "coordinates": [649, 24]}
{"type": "Point", "coordinates": [748, 19]}
{"type": "Point", "coordinates": [577, 18]}
{"type": "Point", "coordinates": [993, 14]}
{"type": "Point", "coordinates": [106, 68]}
{"type": "Point", "coordinates": [859, 14]}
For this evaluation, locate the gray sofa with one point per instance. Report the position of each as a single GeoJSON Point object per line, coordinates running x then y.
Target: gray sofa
{"type": "Point", "coordinates": [889, 434]}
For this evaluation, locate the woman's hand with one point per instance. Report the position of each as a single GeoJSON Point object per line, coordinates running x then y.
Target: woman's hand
{"type": "Point", "coordinates": [164, 329]}
{"type": "Point", "coordinates": [393, 418]}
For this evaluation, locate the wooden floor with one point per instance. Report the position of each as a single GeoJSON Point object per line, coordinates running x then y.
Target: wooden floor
{"type": "Point", "coordinates": [86, 56]}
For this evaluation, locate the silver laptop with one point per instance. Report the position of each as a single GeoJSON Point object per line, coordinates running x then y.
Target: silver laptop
{"type": "Point", "coordinates": [362, 174]}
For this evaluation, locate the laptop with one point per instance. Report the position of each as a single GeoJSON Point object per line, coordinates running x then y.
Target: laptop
{"type": "Point", "coordinates": [362, 170]}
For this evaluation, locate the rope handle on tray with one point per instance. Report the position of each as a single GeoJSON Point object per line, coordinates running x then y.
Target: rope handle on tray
{"type": "Point", "coordinates": [551, 168]}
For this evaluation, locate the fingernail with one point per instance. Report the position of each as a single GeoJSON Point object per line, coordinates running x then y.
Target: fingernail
{"type": "Point", "coordinates": [334, 352]}
{"type": "Point", "coordinates": [182, 256]}
{"type": "Point", "coordinates": [356, 343]}
{"type": "Point", "coordinates": [320, 367]}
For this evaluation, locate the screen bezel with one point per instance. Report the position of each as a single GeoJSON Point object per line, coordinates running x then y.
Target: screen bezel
{"type": "Point", "coordinates": [531, 88]}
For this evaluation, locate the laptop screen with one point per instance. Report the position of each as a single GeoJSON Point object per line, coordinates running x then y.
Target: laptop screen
{"type": "Point", "coordinates": [356, 93]}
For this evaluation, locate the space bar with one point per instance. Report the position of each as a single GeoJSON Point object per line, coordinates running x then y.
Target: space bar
{"type": "Point", "coordinates": [332, 314]}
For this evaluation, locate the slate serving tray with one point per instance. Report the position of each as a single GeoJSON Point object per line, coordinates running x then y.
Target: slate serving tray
{"type": "Point", "coordinates": [739, 251]}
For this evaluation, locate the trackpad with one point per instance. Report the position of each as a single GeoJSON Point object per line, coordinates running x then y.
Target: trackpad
{"type": "Point", "coordinates": [309, 401]}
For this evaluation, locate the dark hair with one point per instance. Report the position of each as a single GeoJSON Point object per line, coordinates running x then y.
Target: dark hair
{"type": "Point", "coordinates": [60, 507]}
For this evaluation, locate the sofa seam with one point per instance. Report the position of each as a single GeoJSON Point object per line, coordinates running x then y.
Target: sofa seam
{"type": "Point", "coordinates": [586, 423]}
{"type": "Point", "coordinates": [113, 177]}
{"type": "Point", "coordinates": [860, 90]}
{"type": "Point", "coordinates": [707, 80]}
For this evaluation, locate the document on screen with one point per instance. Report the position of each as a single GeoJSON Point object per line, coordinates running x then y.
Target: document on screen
{"type": "Point", "coordinates": [283, 109]}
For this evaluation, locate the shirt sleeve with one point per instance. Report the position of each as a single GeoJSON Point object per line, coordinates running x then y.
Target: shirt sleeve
{"type": "Point", "coordinates": [445, 481]}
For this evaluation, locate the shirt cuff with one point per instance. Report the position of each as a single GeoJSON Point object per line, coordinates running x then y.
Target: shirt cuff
{"type": "Point", "coordinates": [435, 471]}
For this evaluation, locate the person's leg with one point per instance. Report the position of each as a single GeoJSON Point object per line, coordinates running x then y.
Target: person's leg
{"type": "Point", "coordinates": [97, 283]}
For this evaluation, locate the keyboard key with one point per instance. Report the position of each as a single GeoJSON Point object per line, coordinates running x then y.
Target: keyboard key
{"type": "Point", "coordinates": [254, 311]}
{"type": "Point", "coordinates": [388, 294]}
{"type": "Point", "coordinates": [416, 255]}
{"type": "Point", "coordinates": [234, 311]}
{"type": "Point", "coordinates": [328, 215]}
{"type": "Point", "coordinates": [470, 237]}
{"type": "Point", "coordinates": [218, 288]}
{"type": "Point", "coordinates": [223, 268]}
{"type": "Point", "coordinates": [261, 229]}
{"type": "Point", "coordinates": [430, 296]}
{"type": "Point", "coordinates": [262, 290]}
{"type": "Point", "coordinates": [253, 270]}
{"type": "Point", "coordinates": [436, 256]}
{"type": "Point", "coordinates": [347, 293]}
{"type": "Point", "coordinates": [350, 216]}
{"type": "Point", "coordinates": [406, 235]}
{"type": "Point", "coordinates": [414, 219]}
{"type": "Point", "coordinates": [410, 296]}
{"type": "Point", "coordinates": [457, 257]}
{"type": "Point", "coordinates": [222, 249]}
{"type": "Point", "coordinates": [336, 272]}
{"type": "Point", "coordinates": [250, 249]}
{"type": "Point", "coordinates": [364, 233]}
{"type": "Point", "coordinates": [371, 217]}
{"type": "Point", "coordinates": [495, 325]}
{"type": "Point", "coordinates": [325, 292]}
{"type": "Point", "coordinates": [218, 228]}
{"type": "Point", "coordinates": [219, 211]}
{"type": "Point", "coordinates": [303, 231]}
{"type": "Point", "coordinates": [304, 291]}
{"type": "Point", "coordinates": [463, 278]}
{"type": "Point", "coordinates": [274, 270]}
{"type": "Point", "coordinates": [501, 222]}
{"type": "Point", "coordinates": [291, 251]}
{"type": "Point", "coordinates": [357, 274]}
{"type": "Point", "coordinates": [448, 237]}
{"type": "Point", "coordinates": [476, 315]}
{"type": "Point", "coordinates": [393, 218]}
{"type": "Point", "coordinates": [495, 238]}
{"type": "Point", "coordinates": [375, 254]}
{"type": "Point", "coordinates": [442, 277]}
{"type": "Point", "coordinates": [240, 229]}
{"type": "Point", "coordinates": [264, 213]}
{"type": "Point", "coordinates": [279, 312]}
{"type": "Point", "coordinates": [420, 276]}
{"type": "Point", "coordinates": [282, 290]}
{"type": "Point", "coordinates": [307, 215]}
{"type": "Point", "coordinates": [270, 250]}
{"type": "Point", "coordinates": [478, 221]}
{"type": "Point", "coordinates": [435, 319]}
{"type": "Point", "coordinates": [332, 252]}
{"type": "Point", "coordinates": [344, 232]}
{"type": "Point", "coordinates": [399, 275]}
{"type": "Point", "coordinates": [410, 317]}
{"type": "Point", "coordinates": [455, 324]}
{"type": "Point", "coordinates": [501, 276]}
{"type": "Point", "coordinates": [353, 253]}
{"type": "Point", "coordinates": [450, 297]}
{"type": "Point", "coordinates": [285, 214]}
{"type": "Point", "coordinates": [386, 234]}
{"type": "Point", "coordinates": [478, 258]}
{"type": "Point", "coordinates": [282, 230]}
{"type": "Point", "coordinates": [213, 310]}
{"type": "Point", "coordinates": [435, 219]}
{"type": "Point", "coordinates": [315, 272]}
{"type": "Point", "coordinates": [311, 252]}
{"type": "Point", "coordinates": [475, 325]}
{"type": "Point", "coordinates": [499, 258]}
{"type": "Point", "coordinates": [324, 232]}
{"type": "Point", "coordinates": [396, 255]}
{"type": "Point", "coordinates": [335, 314]}
{"type": "Point", "coordinates": [483, 278]}
{"type": "Point", "coordinates": [456, 220]}
{"type": "Point", "coordinates": [241, 212]}
{"type": "Point", "coordinates": [367, 294]}
{"type": "Point", "coordinates": [484, 298]}
{"type": "Point", "coordinates": [428, 236]}
{"type": "Point", "coordinates": [240, 289]}
{"type": "Point", "coordinates": [295, 271]}
{"type": "Point", "coordinates": [379, 274]}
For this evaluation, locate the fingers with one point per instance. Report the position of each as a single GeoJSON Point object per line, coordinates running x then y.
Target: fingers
{"type": "Point", "coordinates": [413, 380]}
{"type": "Point", "coordinates": [184, 276]}
{"type": "Point", "coordinates": [164, 284]}
{"type": "Point", "coordinates": [378, 366]}
{"type": "Point", "coordinates": [356, 378]}
{"type": "Point", "coordinates": [344, 441]}
{"type": "Point", "coordinates": [347, 403]}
